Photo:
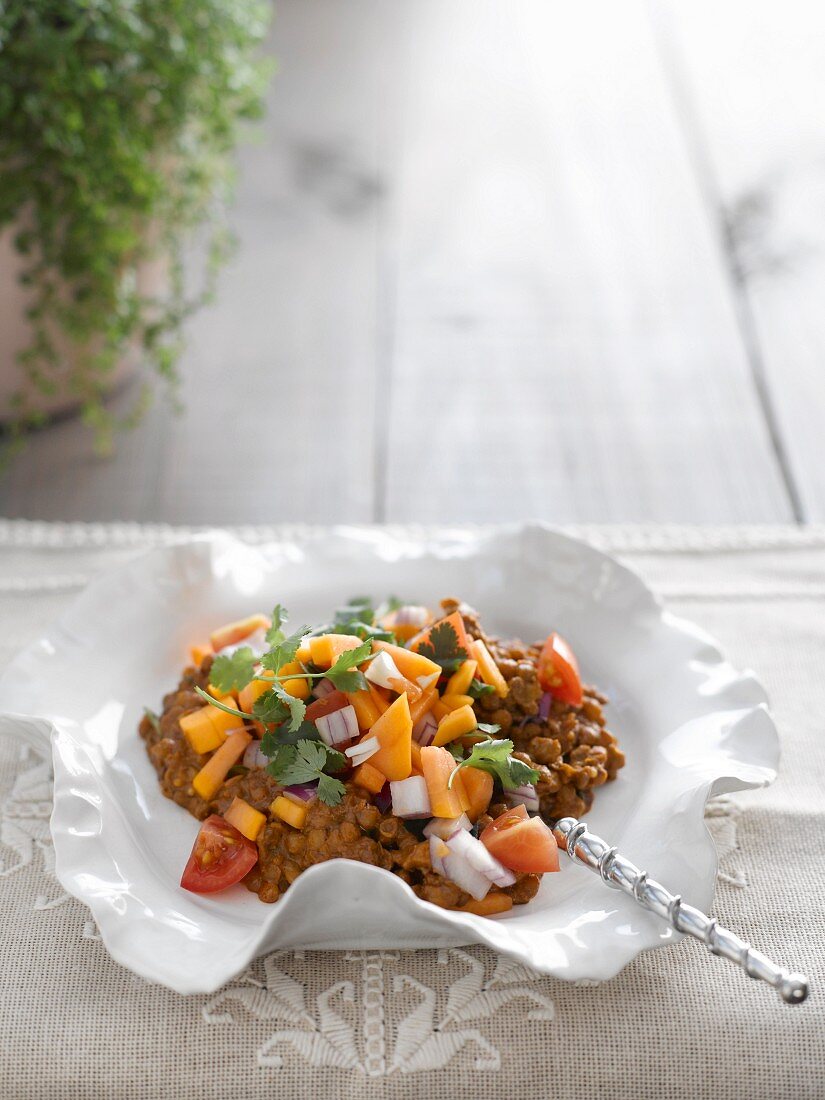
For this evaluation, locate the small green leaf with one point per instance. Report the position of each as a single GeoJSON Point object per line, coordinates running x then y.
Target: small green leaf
{"type": "Point", "coordinates": [493, 756]}
{"type": "Point", "coordinates": [442, 647]}
{"type": "Point", "coordinates": [305, 762]}
{"type": "Point", "coordinates": [283, 653]}
{"type": "Point", "coordinates": [478, 689]}
{"type": "Point", "coordinates": [234, 671]}
{"type": "Point", "coordinates": [275, 634]}
{"type": "Point", "coordinates": [344, 675]}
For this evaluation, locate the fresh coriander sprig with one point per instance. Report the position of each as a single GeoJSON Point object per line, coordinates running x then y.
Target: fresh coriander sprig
{"type": "Point", "coordinates": [223, 706]}
{"type": "Point", "coordinates": [493, 756]}
{"type": "Point", "coordinates": [306, 762]}
{"type": "Point", "coordinates": [442, 646]}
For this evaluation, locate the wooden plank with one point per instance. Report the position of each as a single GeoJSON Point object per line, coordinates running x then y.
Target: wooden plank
{"type": "Point", "coordinates": [565, 340]}
{"type": "Point", "coordinates": [751, 80]}
{"type": "Point", "coordinates": [279, 374]}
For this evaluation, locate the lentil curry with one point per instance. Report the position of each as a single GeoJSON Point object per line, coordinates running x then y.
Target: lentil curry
{"type": "Point", "coordinates": [399, 737]}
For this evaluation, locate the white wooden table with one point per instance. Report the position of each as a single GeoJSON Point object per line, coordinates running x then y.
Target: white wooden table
{"type": "Point", "coordinates": [503, 260]}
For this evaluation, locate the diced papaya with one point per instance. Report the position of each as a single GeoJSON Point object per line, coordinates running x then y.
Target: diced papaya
{"type": "Point", "coordinates": [487, 667]}
{"type": "Point", "coordinates": [327, 648]}
{"type": "Point", "coordinates": [380, 697]}
{"type": "Point", "coordinates": [299, 687]}
{"type": "Point", "coordinates": [304, 653]}
{"type": "Point", "coordinates": [199, 652]}
{"type": "Point", "coordinates": [394, 732]}
{"type": "Point", "coordinates": [455, 724]}
{"type": "Point", "coordinates": [403, 631]}
{"type": "Point", "coordinates": [369, 777]}
{"type": "Point", "coordinates": [456, 622]}
{"type": "Point", "coordinates": [232, 633]}
{"type": "Point", "coordinates": [453, 702]}
{"type": "Point", "coordinates": [366, 710]}
{"type": "Point", "coordinates": [421, 671]}
{"type": "Point", "coordinates": [415, 757]}
{"type": "Point", "coordinates": [461, 791]}
{"type": "Point", "coordinates": [222, 721]}
{"type": "Point", "coordinates": [420, 707]}
{"type": "Point", "coordinates": [245, 818]}
{"type": "Point", "coordinates": [487, 907]}
{"type": "Point", "coordinates": [293, 813]}
{"type": "Point", "coordinates": [248, 696]}
{"type": "Point", "coordinates": [200, 731]}
{"type": "Point", "coordinates": [209, 779]}
{"type": "Point", "coordinates": [478, 786]}
{"type": "Point", "coordinates": [438, 765]}
{"type": "Point", "coordinates": [438, 710]}
{"type": "Point", "coordinates": [459, 682]}
{"type": "Point", "coordinates": [222, 696]}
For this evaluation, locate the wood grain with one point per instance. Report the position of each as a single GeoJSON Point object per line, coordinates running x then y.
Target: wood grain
{"type": "Point", "coordinates": [279, 375]}
{"type": "Point", "coordinates": [478, 278]}
{"type": "Point", "coordinates": [751, 84]}
{"type": "Point", "coordinates": [565, 339]}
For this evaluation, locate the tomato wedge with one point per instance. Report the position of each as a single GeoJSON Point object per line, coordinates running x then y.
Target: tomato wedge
{"type": "Point", "coordinates": [558, 671]}
{"type": "Point", "coordinates": [336, 700]}
{"type": "Point", "coordinates": [220, 858]}
{"type": "Point", "coordinates": [521, 843]}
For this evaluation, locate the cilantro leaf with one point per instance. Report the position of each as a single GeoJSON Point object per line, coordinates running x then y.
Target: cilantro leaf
{"type": "Point", "coordinates": [283, 652]}
{"type": "Point", "coordinates": [455, 749]}
{"type": "Point", "coordinates": [344, 675]}
{"type": "Point", "coordinates": [277, 738]}
{"type": "Point", "coordinates": [493, 756]}
{"type": "Point", "coordinates": [231, 672]}
{"type": "Point", "coordinates": [275, 634]}
{"type": "Point", "coordinates": [488, 727]}
{"type": "Point", "coordinates": [305, 762]}
{"type": "Point", "coordinates": [275, 706]}
{"type": "Point", "coordinates": [478, 689]}
{"type": "Point", "coordinates": [330, 790]}
{"type": "Point", "coordinates": [443, 648]}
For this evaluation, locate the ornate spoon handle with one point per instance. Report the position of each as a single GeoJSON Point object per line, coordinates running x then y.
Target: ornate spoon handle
{"type": "Point", "coordinates": [583, 847]}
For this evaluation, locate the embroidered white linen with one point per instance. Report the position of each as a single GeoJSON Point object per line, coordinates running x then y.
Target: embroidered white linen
{"type": "Point", "coordinates": [460, 1022]}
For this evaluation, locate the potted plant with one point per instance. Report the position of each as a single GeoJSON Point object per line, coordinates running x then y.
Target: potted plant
{"type": "Point", "coordinates": [117, 121]}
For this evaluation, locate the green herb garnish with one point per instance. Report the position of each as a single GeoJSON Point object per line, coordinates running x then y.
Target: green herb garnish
{"type": "Point", "coordinates": [344, 674]}
{"type": "Point", "coordinates": [442, 647]}
{"type": "Point", "coordinates": [233, 671]}
{"type": "Point", "coordinates": [306, 762]}
{"type": "Point", "coordinates": [493, 756]}
{"type": "Point", "coordinates": [478, 689]}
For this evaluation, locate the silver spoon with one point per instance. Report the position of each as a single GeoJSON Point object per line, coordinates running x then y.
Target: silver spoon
{"type": "Point", "coordinates": [616, 871]}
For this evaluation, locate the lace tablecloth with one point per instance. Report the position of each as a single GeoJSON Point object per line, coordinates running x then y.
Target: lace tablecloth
{"type": "Point", "coordinates": [459, 1023]}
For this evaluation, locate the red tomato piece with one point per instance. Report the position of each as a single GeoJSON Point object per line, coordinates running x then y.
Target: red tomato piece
{"type": "Point", "coordinates": [521, 843]}
{"type": "Point", "coordinates": [220, 858]}
{"type": "Point", "coordinates": [336, 700]}
{"type": "Point", "coordinates": [558, 671]}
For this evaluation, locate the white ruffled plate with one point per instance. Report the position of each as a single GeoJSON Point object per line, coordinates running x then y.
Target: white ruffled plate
{"type": "Point", "coordinates": [689, 723]}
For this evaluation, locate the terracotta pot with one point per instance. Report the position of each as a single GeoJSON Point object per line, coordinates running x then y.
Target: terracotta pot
{"type": "Point", "coordinates": [16, 335]}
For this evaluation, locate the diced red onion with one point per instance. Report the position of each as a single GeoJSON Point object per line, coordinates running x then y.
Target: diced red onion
{"type": "Point", "coordinates": [425, 729]}
{"type": "Point", "coordinates": [363, 750]}
{"type": "Point", "coordinates": [323, 688]}
{"type": "Point", "coordinates": [383, 800]}
{"type": "Point", "coordinates": [383, 671]}
{"type": "Point", "coordinates": [339, 727]}
{"type": "Point", "coordinates": [253, 757]}
{"type": "Point", "coordinates": [302, 792]}
{"type": "Point", "coordinates": [445, 826]}
{"type": "Point", "coordinates": [437, 847]}
{"type": "Point", "coordinates": [544, 704]}
{"type": "Point", "coordinates": [477, 855]}
{"type": "Point", "coordinates": [458, 869]}
{"type": "Point", "coordinates": [410, 798]}
{"type": "Point", "coordinates": [411, 615]}
{"type": "Point", "coordinates": [525, 795]}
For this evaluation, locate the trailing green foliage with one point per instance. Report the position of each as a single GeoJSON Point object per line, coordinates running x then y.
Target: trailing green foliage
{"type": "Point", "coordinates": [117, 118]}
